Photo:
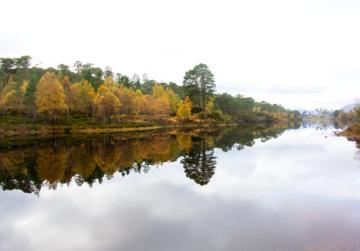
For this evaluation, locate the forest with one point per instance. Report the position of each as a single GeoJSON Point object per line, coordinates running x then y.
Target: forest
{"type": "Point", "coordinates": [86, 94]}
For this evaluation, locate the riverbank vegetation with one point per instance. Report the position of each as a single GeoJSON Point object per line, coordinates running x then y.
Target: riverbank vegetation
{"type": "Point", "coordinates": [351, 121]}
{"type": "Point", "coordinates": [86, 96]}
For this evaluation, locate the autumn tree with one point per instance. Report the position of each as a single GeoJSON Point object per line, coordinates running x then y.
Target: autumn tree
{"type": "Point", "coordinates": [106, 101]}
{"type": "Point", "coordinates": [161, 101]}
{"type": "Point", "coordinates": [166, 101]}
{"type": "Point", "coordinates": [174, 101]}
{"type": "Point", "coordinates": [11, 97]}
{"type": "Point", "coordinates": [184, 111]}
{"type": "Point", "coordinates": [66, 85]}
{"type": "Point", "coordinates": [83, 98]}
{"type": "Point", "coordinates": [158, 91]}
{"type": "Point", "coordinates": [50, 96]}
{"type": "Point", "coordinates": [138, 101]}
{"type": "Point", "coordinates": [127, 97]}
{"type": "Point", "coordinates": [146, 105]}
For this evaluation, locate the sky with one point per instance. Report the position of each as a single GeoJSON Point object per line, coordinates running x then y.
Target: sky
{"type": "Point", "coordinates": [301, 54]}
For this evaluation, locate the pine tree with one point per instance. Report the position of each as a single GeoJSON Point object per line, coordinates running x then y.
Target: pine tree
{"type": "Point", "coordinates": [199, 85]}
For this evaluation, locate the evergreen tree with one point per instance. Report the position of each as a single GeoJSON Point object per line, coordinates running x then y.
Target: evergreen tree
{"type": "Point", "coordinates": [199, 84]}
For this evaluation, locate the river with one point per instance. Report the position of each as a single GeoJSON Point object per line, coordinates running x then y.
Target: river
{"type": "Point", "coordinates": [250, 189]}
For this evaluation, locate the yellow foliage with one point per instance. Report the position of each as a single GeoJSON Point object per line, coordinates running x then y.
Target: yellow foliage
{"type": "Point", "coordinates": [23, 87]}
{"type": "Point", "coordinates": [161, 102]}
{"type": "Point", "coordinates": [138, 92]}
{"type": "Point", "coordinates": [158, 91]}
{"type": "Point", "coordinates": [127, 98]}
{"type": "Point", "coordinates": [174, 100]}
{"type": "Point", "coordinates": [67, 89]}
{"type": "Point", "coordinates": [108, 160]}
{"type": "Point", "coordinates": [209, 106]}
{"type": "Point", "coordinates": [83, 162]}
{"type": "Point", "coordinates": [51, 165]}
{"type": "Point", "coordinates": [50, 95]}
{"type": "Point", "coordinates": [107, 103]}
{"type": "Point", "coordinates": [161, 106]}
{"type": "Point", "coordinates": [138, 103]}
{"type": "Point", "coordinates": [184, 141]}
{"type": "Point", "coordinates": [145, 103]}
{"type": "Point", "coordinates": [184, 111]}
{"type": "Point", "coordinates": [83, 97]}
{"type": "Point", "coordinates": [11, 97]}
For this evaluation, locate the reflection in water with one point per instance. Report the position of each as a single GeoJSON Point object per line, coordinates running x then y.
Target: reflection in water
{"type": "Point", "coordinates": [299, 192]}
{"type": "Point", "coordinates": [199, 163]}
{"type": "Point", "coordinates": [29, 166]}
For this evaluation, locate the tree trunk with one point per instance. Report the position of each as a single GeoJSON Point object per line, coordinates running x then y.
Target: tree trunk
{"type": "Point", "coordinates": [54, 116]}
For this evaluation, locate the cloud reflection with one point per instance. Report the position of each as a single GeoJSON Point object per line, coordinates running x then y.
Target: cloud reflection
{"type": "Point", "coordinates": [261, 198]}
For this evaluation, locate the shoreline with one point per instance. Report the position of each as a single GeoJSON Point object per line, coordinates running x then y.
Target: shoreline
{"type": "Point", "coordinates": [61, 130]}
{"type": "Point", "coordinates": [15, 127]}
{"type": "Point", "coordinates": [351, 133]}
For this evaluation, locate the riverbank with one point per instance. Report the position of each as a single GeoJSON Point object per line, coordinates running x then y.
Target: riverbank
{"type": "Point", "coordinates": [352, 132]}
{"type": "Point", "coordinates": [17, 126]}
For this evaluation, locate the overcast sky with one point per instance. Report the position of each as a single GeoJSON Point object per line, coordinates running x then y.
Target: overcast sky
{"type": "Point", "coordinates": [302, 54]}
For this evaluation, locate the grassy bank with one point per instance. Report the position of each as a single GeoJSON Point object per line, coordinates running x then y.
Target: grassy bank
{"type": "Point", "coordinates": [20, 126]}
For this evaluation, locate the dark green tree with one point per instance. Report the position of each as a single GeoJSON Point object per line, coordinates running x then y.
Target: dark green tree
{"type": "Point", "coordinates": [29, 96]}
{"type": "Point", "coordinates": [199, 84]}
{"type": "Point", "coordinates": [123, 80]}
{"type": "Point", "coordinates": [8, 65]}
{"type": "Point", "coordinates": [108, 72]}
{"type": "Point", "coordinates": [64, 70]}
{"type": "Point", "coordinates": [135, 81]}
{"type": "Point", "coordinates": [90, 73]}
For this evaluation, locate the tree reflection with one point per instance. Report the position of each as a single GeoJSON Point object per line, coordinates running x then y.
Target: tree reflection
{"type": "Point", "coordinates": [199, 163]}
{"type": "Point", "coordinates": [28, 166]}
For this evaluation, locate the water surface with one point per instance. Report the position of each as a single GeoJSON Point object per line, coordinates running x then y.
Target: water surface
{"type": "Point", "coordinates": [264, 189]}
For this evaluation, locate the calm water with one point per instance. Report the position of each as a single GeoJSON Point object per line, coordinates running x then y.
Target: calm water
{"type": "Point", "coordinates": [267, 189]}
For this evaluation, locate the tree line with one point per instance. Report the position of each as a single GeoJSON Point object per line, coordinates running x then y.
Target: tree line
{"type": "Point", "coordinates": [349, 117]}
{"type": "Point", "coordinates": [85, 90]}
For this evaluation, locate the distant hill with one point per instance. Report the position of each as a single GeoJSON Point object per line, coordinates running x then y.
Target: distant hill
{"type": "Point", "coordinates": [349, 107]}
